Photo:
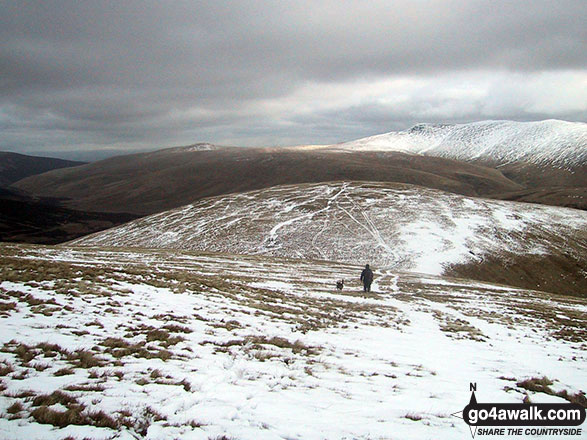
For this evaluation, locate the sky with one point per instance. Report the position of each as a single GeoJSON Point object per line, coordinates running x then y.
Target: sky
{"type": "Point", "coordinates": [96, 78]}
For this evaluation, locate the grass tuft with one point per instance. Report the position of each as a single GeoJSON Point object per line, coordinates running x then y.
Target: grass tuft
{"type": "Point", "coordinates": [413, 416]}
{"type": "Point", "coordinates": [63, 372]}
{"type": "Point", "coordinates": [542, 385]}
{"type": "Point", "coordinates": [15, 408]}
{"type": "Point", "coordinates": [5, 369]}
{"type": "Point", "coordinates": [53, 398]}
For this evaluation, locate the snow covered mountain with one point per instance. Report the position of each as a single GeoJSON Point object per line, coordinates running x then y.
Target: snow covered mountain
{"type": "Point", "coordinates": [401, 227]}
{"type": "Point", "coordinates": [128, 344]}
{"type": "Point", "coordinates": [550, 142]}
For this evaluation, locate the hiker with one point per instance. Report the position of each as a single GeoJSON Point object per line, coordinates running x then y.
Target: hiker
{"type": "Point", "coordinates": [367, 278]}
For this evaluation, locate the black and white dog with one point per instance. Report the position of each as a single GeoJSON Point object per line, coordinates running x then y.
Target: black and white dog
{"type": "Point", "coordinates": [339, 285]}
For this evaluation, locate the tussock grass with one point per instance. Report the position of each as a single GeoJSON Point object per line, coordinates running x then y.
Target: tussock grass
{"type": "Point", "coordinates": [120, 348]}
{"type": "Point", "coordinates": [6, 307]}
{"type": "Point", "coordinates": [457, 327]}
{"type": "Point", "coordinates": [157, 335]}
{"type": "Point", "coordinates": [25, 394]}
{"type": "Point", "coordinates": [153, 334]}
{"type": "Point", "coordinates": [115, 343]}
{"type": "Point", "coordinates": [228, 325]}
{"type": "Point", "coordinates": [21, 376]}
{"type": "Point", "coordinates": [73, 416]}
{"type": "Point", "coordinates": [539, 385]}
{"type": "Point", "coordinates": [174, 328]}
{"type": "Point", "coordinates": [53, 398]}
{"type": "Point", "coordinates": [40, 367]}
{"type": "Point", "coordinates": [85, 359]}
{"type": "Point", "coordinates": [542, 385]}
{"type": "Point", "coordinates": [413, 416]}
{"type": "Point", "coordinates": [170, 317]}
{"type": "Point", "coordinates": [5, 369]}
{"type": "Point", "coordinates": [15, 408]}
{"type": "Point", "coordinates": [255, 342]}
{"type": "Point", "coordinates": [148, 416]}
{"type": "Point", "coordinates": [90, 387]}
{"type": "Point", "coordinates": [27, 353]}
{"type": "Point", "coordinates": [77, 414]}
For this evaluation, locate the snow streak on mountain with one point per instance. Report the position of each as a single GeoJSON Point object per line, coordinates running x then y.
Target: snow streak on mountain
{"type": "Point", "coordinates": [403, 227]}
{"type": "Point", "coordinates": [550, 142]}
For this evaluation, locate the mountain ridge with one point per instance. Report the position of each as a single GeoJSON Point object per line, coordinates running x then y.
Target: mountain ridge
{"type": "Point", "coordinates": [395, 226]}
{"type": "Point", "coordinates": [153, 182]}
{"type": "Point", "coordinates": [549, 142]}
{"type": "Point", "coordinates": [16, 166]}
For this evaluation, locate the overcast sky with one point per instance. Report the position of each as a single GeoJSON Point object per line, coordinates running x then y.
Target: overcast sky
{"type": "Point", "coordinates": [116, 75]}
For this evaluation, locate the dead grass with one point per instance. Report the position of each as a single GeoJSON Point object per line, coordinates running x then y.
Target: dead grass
{"type": "Point", "coordinates": [228, 325]}
{"type": "Point", "coordinates": [53, 398]}
{"type": "Point", "coordinates": [186, 385]}
{"type": "Point", "coordinates": [520, 270]}
{"type": "Point", "coordinates": [15, 408]}
{"type": "Point", "coordinates": [262, 343]}
{"type": "Point", "coordinates": [27, 353]}
{"type": "Point", "coordinates": [148, 416]}
{"type": "Point", "coordinates": [120, 348]}
{"type": "Point", "coordinates": [413, 416]}
{"type": "Point", "coordinates": [152, 334]}
{"type": "Point", "coordinates": [76, 413]}
{"type": "Point", "coordinates": [63, 372]}
{"type": "Point", "coordinates": [25, 394]}
{"type": "Point", "coordinates": [21, 376]}
{"type": "Point", "coordinates": [5, 369]}
{"type": "Point", "coordinates": [73, 416]}
{"type": "Point", "coordinates": [6, 307]}
{"type": "Point", "coordinates": [142, 381]}
{"type": "Point", "coordinates": [542, 385]}
{"type": "Point", "coordinates": [539, 385]}
{"type": "Point", "coordinates": [175, 328]}
{"type": "Point", "coordinates": [85, 359]}
{"type": "Point", "coordinates": [90, 387]}
{"type": "Point", "coordinates": [458, 328]}
{"type": "Point", "coordinates": [40, 367]}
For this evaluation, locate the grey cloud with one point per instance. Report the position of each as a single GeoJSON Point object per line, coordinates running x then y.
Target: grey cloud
{"type": "Point", "coordinates": [106, 72]}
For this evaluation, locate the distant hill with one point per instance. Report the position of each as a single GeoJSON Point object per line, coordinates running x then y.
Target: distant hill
{"type": "Point", "coordinates": [147, 183]}
{"type": "Point", "coordinates": [555, 143]}
{"type": "Point", "coordinates": [14, 166]}
{"type": "Point", "coordinates": [540, 162]}
{"type": "Point", "coordinates": [399, 227]}
{"type": "Point", "coordinates": [27, 219]}
{"type": "Point", "coordinates": [548, 158]}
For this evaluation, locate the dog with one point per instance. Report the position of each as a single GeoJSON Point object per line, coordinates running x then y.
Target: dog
{"type": "Point", "coordinates": [339, 285]}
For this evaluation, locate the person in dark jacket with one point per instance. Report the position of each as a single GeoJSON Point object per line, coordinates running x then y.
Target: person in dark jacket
{"type": "Point", "coordinates": [367, 278]}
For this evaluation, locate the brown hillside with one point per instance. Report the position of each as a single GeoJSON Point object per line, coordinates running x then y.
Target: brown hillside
{"type": "Point", "coordinates": [152, 182]}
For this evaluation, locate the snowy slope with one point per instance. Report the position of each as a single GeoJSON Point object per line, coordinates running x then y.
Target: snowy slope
{"type": "Point", "coordinates": [390, 225]}
{"type": "Point", "coordinates": [105, 344]}
{"type": "Point", "coordinates": [551, 142]}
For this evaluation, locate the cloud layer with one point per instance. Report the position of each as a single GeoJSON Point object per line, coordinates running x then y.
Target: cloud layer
{"type": "Point", "coordinates": [136, 74]}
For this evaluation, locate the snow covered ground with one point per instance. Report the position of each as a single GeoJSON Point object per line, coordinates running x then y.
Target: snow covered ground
{"type": "Point", "coordinates": [106, 343]}
{"type": "Point", "coordinates": [551, 142]}
{"type": "Point", "coordinates": [401, 227]}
